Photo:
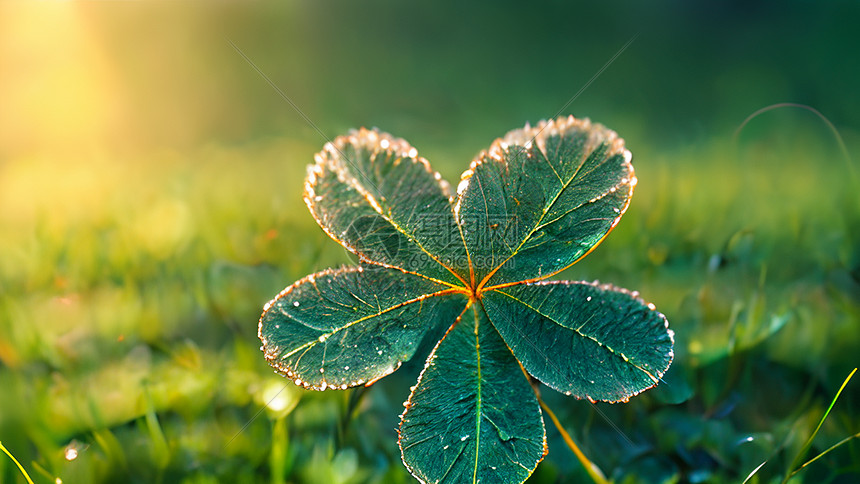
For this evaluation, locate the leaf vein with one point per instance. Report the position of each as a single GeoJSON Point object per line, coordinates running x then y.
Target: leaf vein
{"type": "Point", "coordinates": [578, 332]}
{"type": "Point", "coordinates": [378, 209]}
{"type": "Point", "coordinates": [545, 210]}
{"type": "Point", "coordinates": [325, 335]}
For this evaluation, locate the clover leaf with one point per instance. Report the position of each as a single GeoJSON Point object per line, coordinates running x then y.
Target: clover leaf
{"type": "Point", "coordinates": [476, 263]}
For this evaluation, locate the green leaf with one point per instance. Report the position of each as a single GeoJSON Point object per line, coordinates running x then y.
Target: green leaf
{"type": "Point", "coordinates": [587, 340]}
{"type": "Point", "coordinates": [373, 194]}
{"type": "Point", "coordinates": [473, 416]}
{"type": "Point", "coordinates": [342, 328]}
{"type": "Point", "coordinates": [541, 198]}
{"type": "Point", "coordinates": [533, 204]}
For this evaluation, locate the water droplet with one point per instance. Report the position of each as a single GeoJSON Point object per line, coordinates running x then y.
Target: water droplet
{"type": "Point", "coordinates": [379, 352]}
{"type": "Point", "coordinates": [322, 338]}
{"type": "Point", "coordinates": [588, 298]}
{"type": "Point", "coordinates": [445, 448]}
{"type": "Point", "coordinates": [323, 386]}
{"type": "Point", "coordinates": [384, 144]}
{"type": "Point", "coordinates": [296, 303]}
{"type": "Point", "coordinates": [71, 453]}
{"type": "Point", "coordinates": [346, 367]}
{"type": "Point", "coordinates": [463, 438]}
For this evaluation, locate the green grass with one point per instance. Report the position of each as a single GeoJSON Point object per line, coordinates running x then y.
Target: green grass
{"type": "Point", "coordinates": [150, 204]}
{"type": "Point", "coordinates": [127, 325]}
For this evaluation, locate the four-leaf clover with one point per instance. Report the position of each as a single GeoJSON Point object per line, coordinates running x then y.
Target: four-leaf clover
{"type": "Point", "coordinates": [475, 264]}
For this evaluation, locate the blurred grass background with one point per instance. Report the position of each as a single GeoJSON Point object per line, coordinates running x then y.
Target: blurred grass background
{"type": "Point", "coordinates": [150, 203]}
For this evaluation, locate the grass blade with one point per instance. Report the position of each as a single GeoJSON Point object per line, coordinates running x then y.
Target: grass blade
{"type": "Point", "coordinates": [593, 471]}
{"type": "Point", "coordinates": [800, 455]}
{"type": "Point", "coordinates": [754, 471]}
{"type": "Point", "coordinates": [832, 447]}
{"type": "Point", "coordinates": [20, 467]}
